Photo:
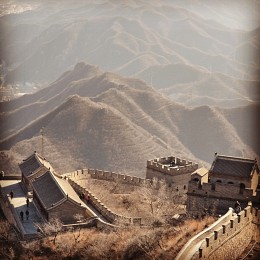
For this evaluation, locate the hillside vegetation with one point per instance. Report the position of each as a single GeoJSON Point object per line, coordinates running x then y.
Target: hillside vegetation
{"type": "Point", "coordinates": [92, 119]}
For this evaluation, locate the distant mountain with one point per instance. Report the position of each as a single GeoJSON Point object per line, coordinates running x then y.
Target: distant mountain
{"type": "Point", "coordinates": [166, 44]}
{"type": "Point", "coordinates": [213, 89]}
{"type": "Point", "coordinates": [88, 118]}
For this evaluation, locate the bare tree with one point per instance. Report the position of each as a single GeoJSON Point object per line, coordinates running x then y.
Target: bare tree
{"type": "Point", "coordinates": [161, 200]}
{"type": "Point", "coordinates": [69, 242]}
{"type": "Point", "coordinates": [5, 229]}
{"type": "Point", "coordinates": [6, 249]}
{"type": "Point", "coordinates": [30, 247]}
{"type": "Point", "coordinates": [79, 217]}
{"type": "Point", "coordinates": [53, 228]}
{"type": "Point", "coordinates": [145, 246]}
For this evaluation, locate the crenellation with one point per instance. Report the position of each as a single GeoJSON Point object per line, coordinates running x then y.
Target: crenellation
{"type": "Point", "coordinates": [136, 179]}
{"type": "Point", "coordinates": [114, 175]}
{"type": "Point", "coordinates": [107, 174]}
{"type": "Point", "coordinates": [128, 178]}
{"type": "Point", "coordinates": [121, 176]}
{"type": "Point", "coordinates": [171, 159]}
{"type": "Point", "coordinates": [163, 160]}
{"type": "Point", "coordinates": [227, 231]}
{"type": "Point", "coordinates": [104, 210]}
{"type": "Point", "coordinates": [183, 162]}
{"type": "Point", "coordinates": [171, 164]}
{"type": "Point", "coordinates": [91, 171]}
{"type": "Point", "coordinates": [210, 241]}
{"type": "Point", "coordinates": [154, 165]}
{"type": "Point", "coordinates": [215, 234]}
{"type": "Point", "coordinates": [149, 162]}
{"type": "Point", "coordinates": [256, 215]}
{"type": "Point", "coordinates": [99, 173]}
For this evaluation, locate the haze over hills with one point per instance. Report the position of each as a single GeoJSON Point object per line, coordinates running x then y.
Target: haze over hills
{"type": "Point", "coordinates": [103, 120]}
{"type": "Point", "coordinates": [168, 77]}
{"type": "Point", "coordinates": [165, 43]}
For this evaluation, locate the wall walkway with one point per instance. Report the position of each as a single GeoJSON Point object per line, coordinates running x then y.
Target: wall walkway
{"type": "Point", "coordinates": [102, 209]}
{"type": "Point", "coordinates": [227, 238]}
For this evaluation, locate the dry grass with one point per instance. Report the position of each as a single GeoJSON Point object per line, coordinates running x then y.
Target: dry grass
{"type": "Point", "coordinates": [129, 200]}
{"type": "Point", "coordinates": [130, 242]}
{"type": "Point", "coordinates": [123, 243]}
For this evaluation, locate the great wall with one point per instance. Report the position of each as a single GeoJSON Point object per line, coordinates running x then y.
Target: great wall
{"type": "Point", "coordinates": [219, 241]}
{"type": "Point", "coordinates": [100, 207]}
{"type": "Point", "coordinates": [226, 238]}
{"type": "Point", "coordinates": [179, 165]}
{"type": "Point", "coordinates": [106, 175]}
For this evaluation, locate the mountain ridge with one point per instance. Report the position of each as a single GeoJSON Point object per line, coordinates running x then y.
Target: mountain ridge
{"type": "Point", "coordinates": [111, 122]}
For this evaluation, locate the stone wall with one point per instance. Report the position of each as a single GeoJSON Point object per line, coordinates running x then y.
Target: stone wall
{"type": "Point", "coordinates": [227, 238]}
{"type": "Point", "coordinates": [181, 185]}
{"type": "Point", "coordinates": [184, 166]}
{"type": "Point", "coordinates": [230, 240]}
{"type": "Point", "coordinates": [66, 212]}
{"type": "Point", "coordinates": [108, 176]}
{"type": "Point", "coordinates": [220, 195]}
{"type": "Point", "coordinates": [188, 251]}
{"type": "Point", "coordinates": [102, 209]}
{"type": "Point", "coordinates": [178, 175]}
{"type": "Point", "coordinates": [180, 180]}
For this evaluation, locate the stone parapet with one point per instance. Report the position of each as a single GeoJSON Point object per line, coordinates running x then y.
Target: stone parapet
{"type": "Point", "coordinates": [220, 239]}
{"type": "Point", "coordinates": [172, 165]}
{"type": "Point", "coordinates": [127, 179]}
{"type": "Point", "coordinates": [218, 242]}
{"type": "Point", "coordinates": [106, 175]}
{"type": "Point", "coordinates": [100, 207]}
{"type": "Point", "coordinates": [188, 250]}
{"type": "Point", "coordinates": [110, 176]}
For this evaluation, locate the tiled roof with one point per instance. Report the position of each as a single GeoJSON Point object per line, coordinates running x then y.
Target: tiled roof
{"type": "Point", "coordinates": [201, 171]}
{"type": "Point", "coordinates": [233, 166]}
{"type": "Point", "coordinates": [30, 164]}
{"type": "Point", "coordinates": [40, 171]}
{"type": "Point", "coordinates": [52, 190]}
{"type": "Point", "coordinates": [33, 164]}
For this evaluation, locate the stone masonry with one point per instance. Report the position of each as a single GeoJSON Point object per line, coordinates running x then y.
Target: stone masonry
{"type": "Point", "coordinates": [173, 170]}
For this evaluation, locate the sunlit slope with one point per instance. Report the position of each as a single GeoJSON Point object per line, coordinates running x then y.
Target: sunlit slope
{"type": "Point", "coordinates": [88, 118]}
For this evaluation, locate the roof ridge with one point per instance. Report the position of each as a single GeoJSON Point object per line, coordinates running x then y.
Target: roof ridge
{"type": "Point", "coordinates": [66, 197]}
{"type": "Point", "coordinates": [27, 159]}
{"type": "Point", "coordinates": [235, 158]}
{"type": "Point", "coordinates": [54, 178]}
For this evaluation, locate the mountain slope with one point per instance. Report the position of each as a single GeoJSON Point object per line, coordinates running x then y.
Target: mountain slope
{"type": "Point", "coordinates": [165, 44]}
{"type": "Point", "coordinates": [88, 118]}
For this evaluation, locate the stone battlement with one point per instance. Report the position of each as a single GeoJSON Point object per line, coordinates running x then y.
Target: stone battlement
{"type": "Point", "coordinates": [220, 240]}
{"type": "Point", "coordinates": [123, 178]}
{"type": "Point", "coordinates": [107, 175]}
{"type": "Point", "coordinates": [238, 228]}
{"type": "Point", "coordinates": [100, 207]}
{"type": "Point", "coordinates": [172, 165]}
